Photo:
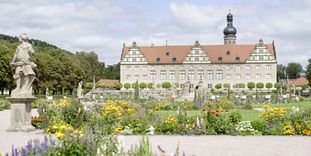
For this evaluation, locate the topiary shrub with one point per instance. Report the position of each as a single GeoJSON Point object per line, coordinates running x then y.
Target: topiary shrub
{"type": "Point", "coordinates": [142, 85]}
{"type": "Point", "coordinates": [150, 85]}
{"type": "Point", "coordinates": [166, 85]}
{"type": "Point", "coordinates": [251, 85]}
{"type": "Point", "coordinates": [127, 85]}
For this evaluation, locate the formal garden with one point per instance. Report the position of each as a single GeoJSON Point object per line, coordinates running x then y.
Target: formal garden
{"type": "Point", "coordinates": [74, 127]}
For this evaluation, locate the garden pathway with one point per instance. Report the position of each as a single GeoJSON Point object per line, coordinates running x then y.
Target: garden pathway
{"type": "Point", "coordinates": [191, 145]}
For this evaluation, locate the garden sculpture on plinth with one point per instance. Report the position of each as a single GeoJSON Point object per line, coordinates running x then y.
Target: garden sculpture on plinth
{"type": "Point", "coordinates": [80, 90]}
{"type": "Point", "coordinates": [21, 96]}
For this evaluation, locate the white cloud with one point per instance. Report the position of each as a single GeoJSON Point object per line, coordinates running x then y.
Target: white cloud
{"type": "Point", "coordinates": [103, 26]}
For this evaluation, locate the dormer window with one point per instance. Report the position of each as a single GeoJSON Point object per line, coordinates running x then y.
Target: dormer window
{"type": "Point", "coordinates": [228, 52]}
{"type": "Point", "coordinates": [237, 59]}
{"type": "Point", "coordinates": [219, 59]}
{"type": "Point", "coordinates": [174, 59]}
{"type": "Point", "coordinates": [158, 59]}
{"type": "Point", "coordinates": [167, 53]}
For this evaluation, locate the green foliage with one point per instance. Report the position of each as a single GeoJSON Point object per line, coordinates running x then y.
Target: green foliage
{"type": "Point", "coordinates": [166, 85]}
{"type": "Point", "coordinates": [57, 69]}
{"type": "Point", "coordinates": [269, 85]}
{"type": "Point", "coordinates": [111, 71]}
{"type": "Point", "coordinates": [143, 149]}
{"type": "Point", "coordinates": [242, 85]}
{"type": "Point", "coordinates": [277, 85]}
{"type": "Point", "coordinates": [218, 86]}
{"type": "Point", "coordinates": [260, 126]}
{"type": "Point", "coordinates": [293, 69]}
{"type": "Point", "coordinates": [281, 70]}
{"type": "Point", "coordinates": [127, 85]}
{"type": "Point", "coordinates": [308, 71]}
{"type": "Point", "coordinates": [142, 85]}
{"type": "Point", "coordinates": [226, 86]}
{"type": "Point", "coordinates": [136, 95]}
{"type": "Point", "coordinates": [260, 85]}
{"type": "Point", "coordinates": [235, 117]}
{"type": "Point", "coordinates": [150, 85]}
{"type": "Point", "coordinates": [158, 85]}
{"type": "Point", "coordinates": [118, 86]}
{"type": "Point", "coordinates": [251, 85]}
{"type": "Point", "coordinates": [4, 104]}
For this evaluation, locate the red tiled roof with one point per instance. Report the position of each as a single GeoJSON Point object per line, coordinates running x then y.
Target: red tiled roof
{"type": "Point", "coordinates": [151, 53]}
{"type": "Point", "coordinates": [299, 82]}
{"type": "Point", "coordinates": [107, 82]}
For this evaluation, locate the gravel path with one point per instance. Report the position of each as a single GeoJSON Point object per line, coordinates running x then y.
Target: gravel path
{"type": "Point", "coordinates": [191, 145]}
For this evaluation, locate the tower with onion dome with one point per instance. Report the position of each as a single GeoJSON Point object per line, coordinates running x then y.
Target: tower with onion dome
{"type": "Point", "coordinates": [230, 31]}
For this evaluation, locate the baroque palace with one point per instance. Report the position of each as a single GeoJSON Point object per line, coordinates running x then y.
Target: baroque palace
{"type": "Point", "coordinates": [209, 64]}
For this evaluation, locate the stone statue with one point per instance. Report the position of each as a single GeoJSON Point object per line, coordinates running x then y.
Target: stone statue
{"type": "Point", "coordinates": [80, 90]}
{"type": "Point", "coordinates": [24, 74]}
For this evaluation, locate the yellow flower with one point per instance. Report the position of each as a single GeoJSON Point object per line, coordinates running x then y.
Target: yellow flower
{"type": "Point", "coordinates": [288, 130]}
{"type": "Point", "coordinates": [59, 135]}
{"type": "Point", "coordinates": [118, 130]}
{"type": "Point", "coordinates": [63, 104]}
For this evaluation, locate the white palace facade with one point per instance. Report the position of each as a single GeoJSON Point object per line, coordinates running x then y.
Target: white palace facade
{"type": "Point", "coordinates": [211, 64]}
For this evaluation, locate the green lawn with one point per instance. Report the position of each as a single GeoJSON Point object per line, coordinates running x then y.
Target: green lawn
{"type": "Point", "coordinates": [289, 105]}
{"type": "Point", "coordinates": [247, 115]}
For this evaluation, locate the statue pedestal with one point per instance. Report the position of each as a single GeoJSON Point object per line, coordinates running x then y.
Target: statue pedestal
{"type": "Point", "coordinates": [21, 113]}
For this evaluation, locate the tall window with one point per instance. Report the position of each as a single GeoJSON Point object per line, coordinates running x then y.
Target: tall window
{"type": "Point", "coordinates": [257, 67]}
{"type": "Point", "coordinates": [145, 77]}
{"type": "Point", "coordinates": [136, 77]}
{"type": "Point", "coordinates": [128, 77]}
{"type": "Point", "coordinates": [238, 76]}
{"type": "Point", "coordinates": [201, 74]}
{"type": "Point", "coordinates": [219, 74]}
{"type": "Point", "coordinates": [163, 74]}
{"type": "Point", "coordinates": [182, 74]}
{"type": "Point", "coordinates": [153, 74]}
{"type": "Point", "coordinates": [172, 74]}
{"type": "Point", "coordinates": [268, 76]}
{"type": "Point", "coordinates": [268, 67]}
{"type": "Point", "coordinates": [191, 74]}
{"type": "Point", "coordinates": [238, 67]}
{"type": "Point", "coordinates": [258, 76]}
{"type": "Point", "coordinates": [228, 76]}
{"type": "Point", "coordinates": [248, 76]}
{"type": "Point", "coordinates": [248, 67]}
{"type": "Point", "coordinates": [209, 74]}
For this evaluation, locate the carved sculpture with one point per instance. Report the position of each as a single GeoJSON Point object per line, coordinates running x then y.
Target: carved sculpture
{"type": "Point", "coordinates": [24, 74]}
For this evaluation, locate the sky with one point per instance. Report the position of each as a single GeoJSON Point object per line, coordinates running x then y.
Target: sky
{"type": "Point", "coordinates": [103, 26]}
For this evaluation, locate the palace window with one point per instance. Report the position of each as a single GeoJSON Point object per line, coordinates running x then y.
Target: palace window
{"type": "Point", "coordinates": [258, 67]}
{"type": "Point", "coordinates": [196, 51]}
{"type": "Point", "coordinates": [209, 74]}
{"type": "Point", "coordinates": [248, 76]}
{"type": "Point", "coordinates": [167, 53]}
{"type": "Point", "coordinates": [258, 76]}
{"type": "Point", "coordinates": [182, 74]}
{"type": "Point", "coordinates": [145, 77]}
{"type": "Point", "coordinates": [219, 59]}
{"type": "Point", "coordinates": [136, 77]}
{"type": "Point", "coordinates": [248, 67]}
{"type": "Point", "coordinates": [238, 76]}
{"type": "Point", "coordinates": [219, 74]}
{"type": "Point", "coordinates": [238, 67]}
{"type": "Point", "coordinates": [268, 76]}
{"type": "Point", "coordinates": [237, 59]}
{"type": "Point", "coordinates": [228, 76]}
{"type": "Point", "coordinates": [201, 74]}
{"type": "Point", "coordinates": [172, 74]}
{"type": "Point", "coordinates": [268, 67]}
{"type": "Point", "coordinates": [163, 74]}
{"type": "Point", "coordinates": [174, 59]}
{"type": "Point", "coordinates": [128, 77]}
{"type": "Point", "coordinates": [152, 74]}
{"type": "Point", "coordinates": [158, 59]}
{"type": "Point", "coordinates": [191, 74]}
{"type": "Point", "coordinates": [228, 52]}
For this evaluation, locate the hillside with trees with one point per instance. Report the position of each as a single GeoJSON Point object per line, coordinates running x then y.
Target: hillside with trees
{"type": "Point", "coordinates": [57, 69]}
